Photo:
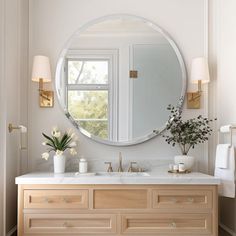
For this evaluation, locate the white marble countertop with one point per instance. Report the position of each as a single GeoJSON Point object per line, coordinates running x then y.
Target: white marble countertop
{"type": "Point", "coordinates": [159, 177]}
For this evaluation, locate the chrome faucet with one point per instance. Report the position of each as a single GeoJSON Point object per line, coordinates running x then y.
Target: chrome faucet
{"type": "Point", "coordinates": [120, 169]}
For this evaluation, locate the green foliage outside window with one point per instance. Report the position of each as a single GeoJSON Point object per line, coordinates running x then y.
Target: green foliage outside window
{"type": "Point", "coordinates": [90, 105]}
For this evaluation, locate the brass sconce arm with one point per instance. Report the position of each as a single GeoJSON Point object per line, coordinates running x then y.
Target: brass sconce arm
{"type": "Point", "coordinates": [46, 98]}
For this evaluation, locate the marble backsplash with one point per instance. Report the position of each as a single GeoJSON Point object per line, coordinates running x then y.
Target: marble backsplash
{"type": "Point", "coordinates": [98, 165]}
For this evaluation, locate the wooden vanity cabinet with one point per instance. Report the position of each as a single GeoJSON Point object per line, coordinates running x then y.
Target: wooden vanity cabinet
{"type": "Point", "coordinates": [163, 210]}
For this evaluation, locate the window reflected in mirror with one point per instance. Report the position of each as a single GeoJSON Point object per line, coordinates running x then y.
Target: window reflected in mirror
{"type": "Point", "coordinates": [117, 77]}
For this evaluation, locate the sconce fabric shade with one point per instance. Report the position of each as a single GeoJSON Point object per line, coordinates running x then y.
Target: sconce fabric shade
{"type": "Point", "coordinates": [41, 69]}
{"type": "Point", "coordinates": [200, 70]}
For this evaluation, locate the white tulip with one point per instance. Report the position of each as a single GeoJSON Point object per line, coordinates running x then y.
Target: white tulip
{"type": "Point", "coordinates": [45, 155]}
{"type": "Point", "coordinates": [59, 152]}
{"type": "Point", "coordinates": [57, 134]}
{"type": "Point", "coordinates": [73, 152]}
{"type": "Point", "coordinates": [73, 144]}
{"type": "Point", "coordinates": [55, 130]}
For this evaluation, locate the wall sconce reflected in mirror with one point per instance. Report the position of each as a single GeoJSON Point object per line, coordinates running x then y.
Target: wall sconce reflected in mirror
{"type": "Point", "coordinates": [41, 73]}
{"type": "Point", "coordinates": [199, 75]}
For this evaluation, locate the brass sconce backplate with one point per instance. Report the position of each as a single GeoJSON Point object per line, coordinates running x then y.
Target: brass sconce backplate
{"type": "Point", "coordinates": [46, 98]}
{"type": "Point", "coordinates": [133, 74]}
{"type": "Point", "coordinates": [194, 100]}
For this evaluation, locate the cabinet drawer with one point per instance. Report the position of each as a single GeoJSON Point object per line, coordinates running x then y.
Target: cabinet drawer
{"type": "Point", "coordinates": [182, 198]}
{"type": "Point", "coordinates": [120, 199]}
{"type": "Point", "coordinates": [56, 199]}
{"type": "Point", "coordinates": [144, 224]}
{"type": "Point", "coordinates": [69, 224]}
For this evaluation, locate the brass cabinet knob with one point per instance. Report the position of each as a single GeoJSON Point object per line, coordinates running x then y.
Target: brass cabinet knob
{"type": "Point", "coordinates": [173, 224]}
{"type": "Point", "coordinates": [173, 200]}
{"type": "Point", "coordinates": [190, 200]}
{"type": "Point", "coordinates": [66, 224]}
{"type": "Point", "coordinates": [65, 200]}
{"type": "Point", "coordinates": [46, 200]}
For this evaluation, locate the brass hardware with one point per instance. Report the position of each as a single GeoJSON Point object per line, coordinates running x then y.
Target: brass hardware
{"type": "Point", "coordinates": [190, 199]}
{"type": "Point", "coordinates": [66, 224]}
{"type": "Point", "coordinates": [133, 74]}
{"type": "Point", "coordinates": [11, 127]}
{"type": "Point", "coordinates": [174, 200]}
{"type": "Point", "coordinates": [120, 169]}
{"type": "Point", "coordinates": [194, 100]}
{"type": "Point", "coordinates": [173, 224]}
{"type": "Point", "coordinates": [46, 98]}
{"type": "Point", "coordinates": [140, 169]}
{"type": "Point", "coordinates": [109, 167]}
{"type": "Point", "coordinates": [131, 169]}
{"type": "Point", "coordinates": [65, 200]}
{"type": "Point", "coordinates": [46, 200]}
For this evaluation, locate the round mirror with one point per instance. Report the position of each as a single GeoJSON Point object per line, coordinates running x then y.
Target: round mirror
{"type": "Point", "coordinates": [116, 77]}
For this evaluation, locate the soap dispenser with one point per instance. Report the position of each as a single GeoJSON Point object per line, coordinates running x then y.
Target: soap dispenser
{"type": "Point", "coordinates": [83, 165]}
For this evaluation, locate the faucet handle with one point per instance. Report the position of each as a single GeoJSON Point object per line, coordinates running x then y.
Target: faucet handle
{"type": "Point", "coordinates": [109, 167]}
{"type": "Point", "coordinates": [131, 166]}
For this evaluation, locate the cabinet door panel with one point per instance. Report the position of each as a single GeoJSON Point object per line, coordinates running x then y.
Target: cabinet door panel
{"type": "Point", "coordinates": [56, 199]}
{"type": "Point", "coordinates": [120, 199]}
{"type": "Point", "coordinates": [145, 224]}
{"type": "Point", "coordinates": [180, 198]}
{"type": "Point", "coordinates": [69, 223]}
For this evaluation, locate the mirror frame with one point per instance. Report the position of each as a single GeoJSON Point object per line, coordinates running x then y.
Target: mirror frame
{"type": "Point", "coordinates": [156, 28]}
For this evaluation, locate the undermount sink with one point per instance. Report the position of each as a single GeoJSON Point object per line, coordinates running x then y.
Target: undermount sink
{"type": "Point", "coordinates": [123, 174]}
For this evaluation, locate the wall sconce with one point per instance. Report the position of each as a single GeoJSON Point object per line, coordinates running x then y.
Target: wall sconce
{"type": "Point", "coordinates": [41, 73]}
{"type": "Point", "coordinates": [199, 75]}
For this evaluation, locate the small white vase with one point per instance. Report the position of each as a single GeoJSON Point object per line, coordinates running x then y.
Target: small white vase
{"type": "Point", "coordinates": [187, 160]}
{"type": "Point", "coordinates": [59, 164]}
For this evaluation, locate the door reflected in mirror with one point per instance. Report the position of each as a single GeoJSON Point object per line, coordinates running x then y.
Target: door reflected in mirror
{"type": "Point", "coordinates": [117, 76]}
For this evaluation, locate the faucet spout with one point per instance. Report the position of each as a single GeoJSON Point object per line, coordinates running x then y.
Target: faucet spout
{"type": "Point", "coordinates": [120, 169]}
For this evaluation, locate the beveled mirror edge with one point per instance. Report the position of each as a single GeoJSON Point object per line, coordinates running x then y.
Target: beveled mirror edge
{"type": "Point", "coordinates": [138, 140]}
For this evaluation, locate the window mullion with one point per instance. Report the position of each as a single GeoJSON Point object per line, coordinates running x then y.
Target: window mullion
{"type": "Point", "coordinates": [88, 87]}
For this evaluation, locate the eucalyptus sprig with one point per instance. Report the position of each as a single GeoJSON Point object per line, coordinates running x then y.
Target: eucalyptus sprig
{"type": "Point", "coordinates": [187, 134]}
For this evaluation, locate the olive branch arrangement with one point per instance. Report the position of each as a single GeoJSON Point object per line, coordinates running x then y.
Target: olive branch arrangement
{"type": "Point", "coordinates": [187, 134]}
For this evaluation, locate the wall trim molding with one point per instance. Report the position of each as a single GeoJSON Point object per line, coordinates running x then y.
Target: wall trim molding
{"type": "Point", "coordinates": [3, 119]}
{"type": "Point", "coordinates": [12, 231]}
{"type": "Point", "coordinates": [227, 229]}
{"type": "Point", "coordinates": [206, 92]}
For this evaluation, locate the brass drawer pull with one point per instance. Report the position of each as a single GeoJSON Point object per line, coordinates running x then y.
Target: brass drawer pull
{"type": "Point", "coordinates": [65, 200]}
{"type": "Point", "coordinates": [66, 224]}
{"type": "Point", "coordinates": [173, 200]}
{"type": "Point", "coordinates": [190, 200]}
{"type": "Point", "coordinates": [46, 200]}
{"type": "Point", "coordinates": [173, 224]}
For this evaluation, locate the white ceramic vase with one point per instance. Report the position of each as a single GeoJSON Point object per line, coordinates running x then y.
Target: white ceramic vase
{"type": "Point", "coordinates": [187, 160]}
{"type": "Point", "coordinates": [59, 164]}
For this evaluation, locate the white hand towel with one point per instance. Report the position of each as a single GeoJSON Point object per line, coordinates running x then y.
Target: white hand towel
{"type": "Point", "coordinates": [227, 176]}
{"type": "Point", "coordinates": [222, 155]}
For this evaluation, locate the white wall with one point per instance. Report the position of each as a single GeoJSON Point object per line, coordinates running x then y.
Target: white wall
{"type": "Point", "coordinates": [52, 22]}
{"type": "Point", "coordinates": [226, 88]}
{"type": "Point", "coordinates": [14, 72]}
{"type": "Point", "coordinates": [3, 116]}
